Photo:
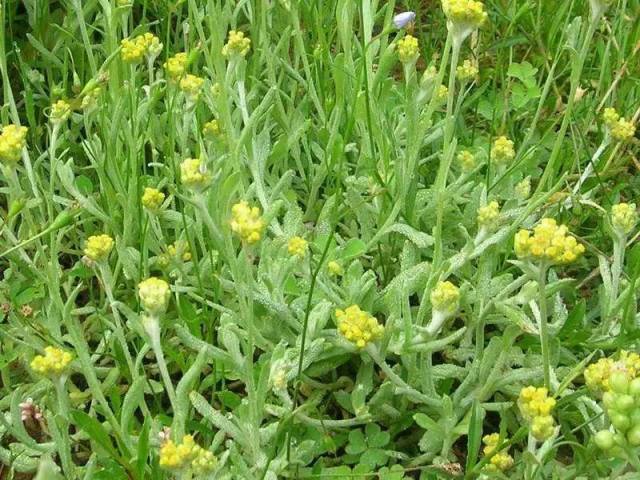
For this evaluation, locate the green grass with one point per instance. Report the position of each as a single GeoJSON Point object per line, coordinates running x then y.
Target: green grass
{"type": "Point", "coordinates": [336, 141]}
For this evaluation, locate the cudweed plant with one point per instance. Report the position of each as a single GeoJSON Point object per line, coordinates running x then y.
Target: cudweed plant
{"type": "Point", "coordinates": [264, 240]}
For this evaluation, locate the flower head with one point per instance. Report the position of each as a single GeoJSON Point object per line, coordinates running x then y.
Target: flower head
{"type": "Point", "coordinates": [176, 66]}
{"type": "Point", "coordinates": [204, 461]}
{"type": "Point", "coordinates": [247, 222]}
{"type": "Point", "coordinates": [335, 268]}
{"type": "Point", "coordinates": [212, 129]}
{"type": "Point", "coordinates": [467, 160]}
{"type": "Point", "coordinates": [523, 189]}
{"type": "Point", "coordinates": [502, 151]}
{"type": "Point", "coordinates": [619, 128]}
{"type": "Point", "coordinates": [12, 141]}
{"type": "Point", "coordinates": [445, 298]}
{"type": "Point", "coordinates": [60, 112]}
{"type": "Point", "coordinates": [54, 362]}
{"type": "Point", "coordinates": [441, 93]}
{"type": "Point", "coordinates": [154, 295]}
{"type": "Point", "coordinates": [598, 374]}
{"type": "Point", "coordinates": [193, 173]}
{"type": "Point", "coordinates": [488, 214]}
{"type": "Point", "coordinates": [237, 44]}
{"type": "Point", "coordinates": [401, 20]}
{"type": "Point", "coordinates": [178, 456]}
{"type": "Point", "coordinates": [464, 16]}
{"type": "Point", "coordinates": [408, 50]}
{"type": "Point", "coordinates": [358, 326]}
{"type": "Point", "coordinates": [297, 247]}
{"type": "Point", "coordinates": [550, 242]}
{"type": "Point", "coordinates": [152, 199]}
{"type": "Point", "coordinates": [624, 217]}
{"type": "Point", "coordinates": [467, 71]}
{"type": "Point", "coordinates": [500, 460]}
{"type": "Point", "coordinates": [134, 50]}
{"type": "Point", "coordinates": [98, 247]}
{"type": "Point", "coordinates": [177, 252]}
{"type": "Point", "coordinates": [535, 406]}
{"type": "Point", "coordinates": [191, 86]}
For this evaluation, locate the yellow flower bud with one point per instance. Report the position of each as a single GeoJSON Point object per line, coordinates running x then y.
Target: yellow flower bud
{"type": "Point", "coordinates": [445, 297]}
{"type": "Point", "coordinates": [408, 50]}
{"type": "Point", "coordinates": [152, 199]}
{"type": "Point", "coordinates": [488, 214]}
{"type": "Point", "coordinates": [176, 66]}
{"type": "Point", "coordinates": [53, 363]}
{"type": "Point", "coordinates": [624, 217]}
{"type": "Point", "coordinates": [335, 268]}
{"type": "Point", "coordinates": [12, 141]}
{"type": "Point", "coordinates": [465, 13]}
{"type": "Point", "coordinates": [358, 326]}
{"type": "Point", "coordinates": [246, 222]}
{"type": "Point", "coordinates": [298, 247]}
{"type": "Point", "coordinates": [154, 295]}
{"type": "Point", "coordinates": [467, 160]}
{"type": "Point", "coordinates": [191, 86]}
{"type": "Point", "coordinates": [237, 44]}
{"type": "Point", "coordinates": [550, 242]}
{"type": "Point", "coordinates": [467, 71]}
{"type": "Point", "coordinates": [502, 151]}
{"type": "Point", "coordinates": [98, 247]}
{"type": "Point", "coordinates": [60, 112]}
{"type": "Point", "coordinates": [193, 174]}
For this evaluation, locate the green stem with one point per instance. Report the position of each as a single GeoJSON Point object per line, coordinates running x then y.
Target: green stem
{"type": "Point", "coordinates": [152, 327]}
{"type": "Point", "coordinates": [544, 334]}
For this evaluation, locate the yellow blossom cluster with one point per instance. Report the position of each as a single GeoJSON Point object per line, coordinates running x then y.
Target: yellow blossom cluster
{"type": "Point", "coordinates": [445, 297]}
{"type": "Point", "coordinates": [186, 454]}
{"type": "Point", "coordinates": [408, 50]}
{"type": "Point", "coordinates": [247, 222]}
{"type": "Point", "coordinates": [550, 242]}
{"type": "Point", "coordinates": [60, 111]}
{"type": "Point", "coordinates": [176, 252]}
{"type": "Point", "coordinates": [488, 214]}
{"type": "Point", "coordinates": [135, 49]}
{"type": "Point", "coordinates": [358, 326]}
{"type": "Point", "coordinates": [191, 85]}
{"type": "Point", "coordinates": [154, 295]}
{"type": "Point", "coordinates": [499, 461]}
{"type": "Point", "coordinates": [211, 129]}
{"type": "Point", "coordinates": [335, 268]}
{"type": "Point", "coordinates": [624, 217]}
{"type": "Point", "coordinates": [467, 71]}
{"type": "Point", "coordinates": [297, 247]}
{"type": "Point", "coordinates": [176, 66]}
{"type": "Point", "coordinates": [523, 189]}
{"type": "Point", "coordinates": [467, 160]}
{"type": "Point", "coordinates": [12, 141]}
{"type": "Point", "coordinates": [237, 44]}
{"type": "Point", "coordinates": [98, 247]}
{"type": "Point", "coordinates": [598, 374]}
{"type": "Point", "coordinates": [441, 93]}
{"type": "Point", "coordinates": [620, 128]}
{"type": "Point", "coordinates": [536, 406]}
{"type": "Point", "coordinates": [502, 151]}
{"type": "Point", "coordinates": [193, 173]}
{"type": "Point", "coordinates": [54, 362]}
{"type": "Point", "coordinates": [469, 13]}
{"type": "Point", "coordinates": [152, 199]}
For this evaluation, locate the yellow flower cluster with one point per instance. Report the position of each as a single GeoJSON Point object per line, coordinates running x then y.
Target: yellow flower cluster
{"type": "Point", "coordinates": [467, 71]}
{"type": "Point", "coordinates": [212, 129]}
{"type": "Point", "coordinates": [469, 13]}
{"type": "Point", "coordinates": [98, 247]}
{"type": "Point", "coordinates": [502, 151]}
{"type": "Point", "coordinates": [500, 461]}
{"type": "Point", "coordinates": [152, 199]}
{"type": "Point", "coordinates": [408, 50]}
{"type": "Point", "coordinates": [620, 128]}
{"type": "Point", "coordinates": [536, 406]}
{"type": "Point", "coordinates": [550, 242]}
{"type": "Point", "coordinates": [358, 326]}
{"type": "Point", "coordinates": [178, 252]}
{"type": "Point", "coordinates": [191, 86]}
{"type": "Point", "coordinates": [297, 247]}
{"type": "Point", "coordinates": [237, 44]}
{"type": "Point", "coordinates": [154, 295]}
{"type": "Point", "coordinates": [597, 374]}
{"type": "Point", "coordinates": [445, 297]}
{"type": "Point", "coordinates": [488, 214]}
{"type": "Point", "coordinates": [186, 454]}
{"type": "Point", "coordinates": [624, 217]}
{"type": "Point", "coordinates": [176, 66]}
{"type": "Point", "coordinates": [12, 141]}
{"type": "Point", "coordinates": [247, 222]}
{"type": "Point", "coordinates": [467, 160]}
{"type": "Point", "coordinates": [134, 50]}
{"type": "Point", "coordinates": [54, 362]}
{"type": "Point", "coordinates": [441, 93]}
{"type": "Point", "coordinates": [335, 268]}
{"type": "Point", "coordinates": [193, 173]}
{"type": "Point", "coordinates": [523, 189]}
{"type": "Point", "coordinates": [60, 111]}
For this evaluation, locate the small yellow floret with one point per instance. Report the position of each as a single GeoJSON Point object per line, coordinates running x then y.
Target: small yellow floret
{"type": "Point", "coordinates": [499, 461]}
{"type": "Point", "coordinates": [54, 362]}
{"type": "Point", "coordinates": [445, 297]}
{"type": "Point", "coordinates": [597, 374]}
{"type": "Point", "coordinates": [488, 214]}
{"type": "Point", "coordinates": [358, 326]}
{"type": "Point", "coordinates": [178, 456]}
{"type": "Point", "coordinates": [176, 66]}
{"type": "Point", "coordinates": [502, 151]}
{"type": "Point", "coordinates": [467, 160]}
{"type": "Point", "coordinates": [60, 111]}
{"type": "Point", "coordinates": [152, 199]}
{"type": "Point", "coordinates": [335, 268]}
{"type": "Point", "coordinates": [297, 247]}
{"type": "Point", "coordinates": [191, 85]}
{"type": "Point", "coordinates": [211, 129]}
{"type": "Point", "coordinates": [408, 50]}
{"type": "Point", "coordinates": [247, 222]}
{"type": "Point", "coordinates": [465, 13]}
{"type": "Point", "coordinates": [467, 71]}
{"type": "Point", "coordinates": [523, 189]}
{"type": "Point", "coordinates": [154, 295]}
{"type": "Point", "coordinates": [619, 128]}
{"type": "Point", "coordinates": [237, 44]}
{"type": "Point", "coordinates": [12, 141]}
{"type": "Point", "coordinates": [134, 50]}
{"type": "Point", "coordinates": [177, 252]}
{"type": "Point", "coordinates": [193, 173]}
{"type": "Point", "coordinates": [98, 247]}
{"type": "Point", "coordinates": [535, 406]}
{"type": "Point", "coordinates": [550, 242]}
{"type": "Point", "coordinates": [624, 217]}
